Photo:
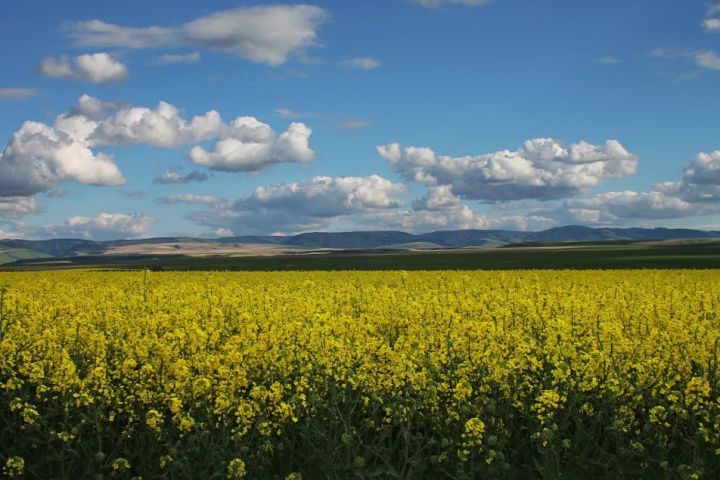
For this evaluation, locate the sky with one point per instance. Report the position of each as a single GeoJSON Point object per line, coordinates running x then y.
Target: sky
{"type": "Point", "coordinates": [220, 118]}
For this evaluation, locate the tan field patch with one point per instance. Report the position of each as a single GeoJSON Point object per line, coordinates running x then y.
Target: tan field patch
{"type": "Point", "coordinates": [199, 248]}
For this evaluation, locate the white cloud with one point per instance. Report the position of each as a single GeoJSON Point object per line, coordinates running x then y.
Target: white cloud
{"type": "Point", "coordinates": [696, 194]}
{"type": "Point", "coordinates": [440, 208]}
{"type": "Point", "coordinates": [542, 169]}
{"type": "Point", "coordinates": [452, 216]}
{"type": "Point", "coordinates": [363, 63]}
{"type": "Point", "coordinates": [709, 59]}
{"type": "Point", "coordinates": [173, 58]}
{"type": "Point", "coordinates": [441, 3]}
{"type": "Point", "coordinates": [610, 60]}
{"type": "Point", "coordinates": [162, 126]}
{"type": "Point", "coordinates": [306, 205]}
{"type": "Point", "coordinates": [93, 108]}
{"type": "Point", "coordinates": [437, 198]}
{"type": "Point", "coordinates": [169, 177]}
{"type": "Point", "coordinates": [105, 226]}
{"type": "Point", "coordinates": [706, 59]}
{"type": "Point", "coordinates": [616, 208]}
{"type": "Point", "coordinates": [251, 146]}
{"type": "Point", "coordinates": [354, 124]}
{"type": "Point", "coordinates": [96, 33]}
{"type": "Point", "coordinates": [264, 34]}
{"type": "Point", "coordinates": [38, 156]}
{"type": "Point", "coordinates": [189, 198]}
{"type": "Point", "coordinates": [701, 180]}
{"type": "Point", "coordinates": [14, 207]}
{"type": "Point", "coordinates": [96, 68]}
{"type": "Point", "coordinates": [288, 113]}
{"type": "Point", "coordinates": [704, 170]}
{"type": "Point", "coordinates": [672, 53]}
{"type": "Point", "coordinates": [712, 24]}
{"type": "Point", "coordinates": [17, 93]}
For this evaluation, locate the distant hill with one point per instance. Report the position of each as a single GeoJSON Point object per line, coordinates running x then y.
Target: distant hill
{"type": "Point", "coordinates": [11, 250]}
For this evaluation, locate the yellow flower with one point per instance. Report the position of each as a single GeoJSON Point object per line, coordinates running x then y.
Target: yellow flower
{"type": "Point", "coordinates": [14, 467]}
{"type": "Point", "coordinates": [154, 420]}
{"type": "Point", "coordinates": [120, 464]}
{"type": "Point", "coordinates": [236, 469]}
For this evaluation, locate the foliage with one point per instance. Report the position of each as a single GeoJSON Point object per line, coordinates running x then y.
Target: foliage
{"type": "Point", "coordinates": [461, 375]}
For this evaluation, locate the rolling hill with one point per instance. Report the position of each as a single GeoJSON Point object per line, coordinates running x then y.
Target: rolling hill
{"type": "Point", "coordinates": [12, 250]}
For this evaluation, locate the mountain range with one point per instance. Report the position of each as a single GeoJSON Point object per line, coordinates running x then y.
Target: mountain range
{"type": "Point", "coordinates": [13, 249]}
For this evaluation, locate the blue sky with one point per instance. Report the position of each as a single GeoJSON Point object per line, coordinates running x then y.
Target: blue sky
{"type": "Point", "coordinates": [414, 115]}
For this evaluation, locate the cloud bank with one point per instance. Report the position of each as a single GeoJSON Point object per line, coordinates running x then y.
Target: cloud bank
{"type": "Point", "coordinates": [262, 34]}
{"type": "Point", "coordinates": [542, 169]}
{"type": "Point", "coordinates": [40, 156]}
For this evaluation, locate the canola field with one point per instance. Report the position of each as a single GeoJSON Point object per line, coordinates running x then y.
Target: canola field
{"type": "Point", "coordinates": [298, 375]}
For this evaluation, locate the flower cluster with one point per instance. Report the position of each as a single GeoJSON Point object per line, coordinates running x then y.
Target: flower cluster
{"type": "Point", "coordinates": [336, 375]}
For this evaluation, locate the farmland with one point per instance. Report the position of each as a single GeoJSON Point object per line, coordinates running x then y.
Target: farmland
{"type": "Point", "coordinates": [392, 374]}
{"type": "Point", "coordinates": [566, 255]}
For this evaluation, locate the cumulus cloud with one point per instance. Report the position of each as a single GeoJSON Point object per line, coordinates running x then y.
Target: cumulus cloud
{"type": "Point", "coordinates": [93, 108]}
{"type": "Point", "coordinates": [169, 177]}
{"type": "Point", "coordinates": [189, 198]}
{"type": "Point", "coordinates": [709, 59]}
{"type": "Point", "coordinates": [15, 207]}
{"type": "Point", "coordinates": [461, 217]}
{"type": "Point", "coordinates": [17, 93]}
{"type": "Point", "coordinates": [704, 170]}
{"type": "Point", "coordinates": [162, 126]}
{"type": "Point", "coordinates": [306, 205]}
{"type": "Point", "coordinates": [701, 179]}
{"type": "Point", "coordinates": [440, 209]}
{"type": "Point", "coordinates": [95, 68]}
{"type": "Point", "coordinates": [363, 63]}
{"type": "Point", "coordinates": [696, 194]}
{"type": "Point", "coordinates": [40, 156]}
{"type": "Point", "coordinates": [250, 146]}
{"type": "Point", "coordinates": [263, 34]}
{"type": "Point", "coordinates": [437, 198]}
{"type": "Point", "coordinates": [616, 208]}
{"type": "Point", "coordinates": [173, 58]}
{"type": "Point", "coordinates": [104, 226]}
{"type": "Point", "coordinates": [541, 169]}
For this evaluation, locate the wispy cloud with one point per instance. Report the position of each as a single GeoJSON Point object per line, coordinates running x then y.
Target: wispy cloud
{"type": "Point", "coordinates": [17, 93]}
{"type": "Point", "coordinates": [173, 58]}
{"type": "Point", "coordinates": [352, 124]}
{"type": "Point", "coordinates": [609, 60]}
{"type": "Point", "coordinates": [189, 198]}
{"type": "Point", "coordinates": [335, 120]}
{"type": "Point", "coordinates": [441, 3]}
{"type": "Point", "coordinates": [264, 34]}
{"type": "Point", "coordinates": [294, 114]}
{"type": "Point", "coordinates": [707, 59]}
{"type": "Point", "coordinates": [169, 177]}
{"type": "Point", "coordinates": [362, 63]}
